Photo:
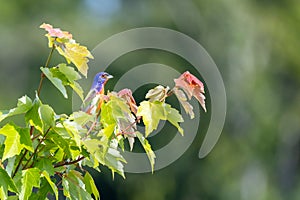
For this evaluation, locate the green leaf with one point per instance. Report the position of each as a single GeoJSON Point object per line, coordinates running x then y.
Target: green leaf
{"type": "Point", "coordinates": [13, 198]}
{"type": "Point", "coordinates": [30, 179]}
{"type": "Point", "coordinates": [113, 160]}
{"type": "Point", "coordinates": [152, 113]}
{"type": "Point", "coordinates": [147, 147]}
{"type": "Point", "coordinates": [90, 185]}
{"type": "Point", "coordinates": [25, 138]}
{"type": "Point", "coordinates": [55, 81]}
{"type": "Point", "coordinates": [10, 165]}
{"type": "Point", "coordinates": [69, 72]}
{"type": "Point", "coordinates": [108, 131]}
{"type": "Point", "coordinates": [78, 89]}
{"type": "Point", "coordinates": [63, 75]}
{"type": "Point", "coordinates": [47, 116]}
{"type": "Point", "coordinates": [73, 130]}
{"type": "Point", "coordinates": [74, 187]}
{"type": "Point", "coordinates": [92, 145]}
{"type": "Point", "coordinates": [70, 77]}
{"type": "Point", "coordinates": [104, 154]}
{"type": "Point", "coordinates": [62, 143]}
{"type": "Point", "coordinates": [42, 192]}
{"type": "Point", "coordinates": [52, 185]}
{"type": "Point", "coordinates": [24, 104]}
{"type": "Point", "coordinates": [45, 164]}
{"type": "Point", "coordinates": [116, 108]}
{"type": "Point", "coordinates": [173, 117]}
{"type": "Point", "coordinates": [81, 118]}
{"type": "Point", "coordinates": [6, 183]}
{"type": "Point", "coordinates": [32, 116]}
{"type": "Point", "coordinates": [13, 145]}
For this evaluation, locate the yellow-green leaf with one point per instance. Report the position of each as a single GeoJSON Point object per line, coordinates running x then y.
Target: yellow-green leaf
{"type": "Point", "coordinates": [30, 179]}
{"type": "Point", "coordinates": [77, 54]}
{"type": "Point", "coordinates": [147, 147]}
{"type": "Point", "coordinates": [173, 117]}
{"type": "Point", "coordinates": [13, 145]}
{"type": "Point", "coordinates": [24, 104]}
{"type": "Point", "coordinates": [52, 185]}
{"type": "Point", "coordinates": [55, 81]}
{"type": "Point", "coordinates": [6, 183]}
{"type": "Point", "coordinates": [152, 113]}
{"type": "Point", "coordinates": [90, 185]}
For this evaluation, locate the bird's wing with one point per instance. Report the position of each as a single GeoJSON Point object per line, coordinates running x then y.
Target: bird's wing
{"type": "Point", "coordinates": [89, 101]}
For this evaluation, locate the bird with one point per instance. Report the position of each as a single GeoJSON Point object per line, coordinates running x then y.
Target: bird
{"type": "Point", "coordinates": [92, 102]}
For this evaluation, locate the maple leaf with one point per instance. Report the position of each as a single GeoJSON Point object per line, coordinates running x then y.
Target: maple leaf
{"type": "Point", "coordinates": [76, 54]}
{"type": "Point", "coordinates": [67, 47]}
{"type": "Point", "coordinates": [183, 100]}
{"type": "Point", "coordinates": [56, 32]}
{"type": "Point", "coordinates": [153, 112]}
{"type": "Point", "coordinates": [159, 93]}
{"type": "Point", "coordinates": [192, 86]}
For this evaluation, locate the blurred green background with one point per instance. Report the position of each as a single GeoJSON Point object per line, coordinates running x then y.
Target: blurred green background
{"type": "Point", "coordinates": [255, 45]}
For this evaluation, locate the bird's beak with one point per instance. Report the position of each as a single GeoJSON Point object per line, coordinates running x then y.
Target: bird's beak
{"type": "Point", "coordinates": [109, 77]}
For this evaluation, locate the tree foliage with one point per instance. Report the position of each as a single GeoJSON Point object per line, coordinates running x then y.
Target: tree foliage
{"type": "Point", "coordinates": [53, 151]}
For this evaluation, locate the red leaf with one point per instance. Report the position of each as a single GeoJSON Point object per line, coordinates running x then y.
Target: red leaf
{"type": "Point", "coordinates": [192, 86]}
{"type": "Point", "coordinates": [127, 95]}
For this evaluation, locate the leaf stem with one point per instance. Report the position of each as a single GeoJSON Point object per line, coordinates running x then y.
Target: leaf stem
{"type": "Point", "coordinates": [171, 92]}
{"type": "Point", "coordinates": [70, 162]}
{"type": "Point", "coordinates": [42, 74]}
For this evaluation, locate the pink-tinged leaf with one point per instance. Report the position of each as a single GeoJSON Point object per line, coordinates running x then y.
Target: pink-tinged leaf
{"type": "Point", "coordinates": [56, 32]}
{"type": "Point", "coordinates": [192, 86]}
{"type": "Point", "coordinates": [127, 95]}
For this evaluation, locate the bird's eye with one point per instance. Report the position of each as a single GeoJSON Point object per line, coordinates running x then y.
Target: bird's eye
{"type": "Point", "coordinates": [103, 76]}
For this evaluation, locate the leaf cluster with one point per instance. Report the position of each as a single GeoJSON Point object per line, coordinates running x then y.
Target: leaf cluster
{"type": "Point", "coordinates": [53, 151]}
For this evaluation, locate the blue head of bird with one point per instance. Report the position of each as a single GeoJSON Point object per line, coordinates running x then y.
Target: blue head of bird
{"type": "Point", "coordinates": [99, 81]}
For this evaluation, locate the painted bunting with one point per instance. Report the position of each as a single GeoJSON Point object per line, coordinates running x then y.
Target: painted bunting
{"type": "Point", "coordinates": [92, 102]}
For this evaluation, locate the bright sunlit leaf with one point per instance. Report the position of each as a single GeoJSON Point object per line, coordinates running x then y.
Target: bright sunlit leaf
{"type": "Point", "coordinates": [30, 179]}
{"type": "Point", "coordinates": [6, 183]}
{"type": "Point", "coordinates": [90, 185]}
{"type": "Point", "coordinates": [147, 147]}
{"type": "Point", "coordinates": [24, 104]}
{"type": "Point", "coordinates": [14, 136]}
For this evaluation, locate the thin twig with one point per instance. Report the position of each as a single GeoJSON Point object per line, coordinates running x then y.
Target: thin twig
{"type": "Point", "coordinates": [69, 163]}
{"type": "Point", "coordinates": [36, 149]}
{"type": "Point", "coordinates": [42, 74]}
{"type": "Point", "coordinates": [19, 163]}
{"type": "Point", "coordinates": [123, 132]}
